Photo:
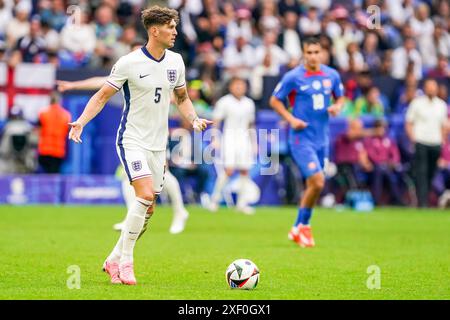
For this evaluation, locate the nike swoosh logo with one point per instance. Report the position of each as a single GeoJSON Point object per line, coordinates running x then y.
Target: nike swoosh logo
{"type": "Point", "coordinates": [143, 76]}
{"type": "Point", "coordinates": [303, 88]}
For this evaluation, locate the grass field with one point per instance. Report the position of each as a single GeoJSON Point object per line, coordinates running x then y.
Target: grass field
{"type": "Point", "coordinates": [411, 248]}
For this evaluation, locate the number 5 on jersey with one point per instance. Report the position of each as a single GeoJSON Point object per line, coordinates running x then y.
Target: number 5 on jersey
{"type": "Point", "coordinates": [157, 95]}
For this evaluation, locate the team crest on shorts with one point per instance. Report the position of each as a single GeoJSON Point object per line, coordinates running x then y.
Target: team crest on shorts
{"type": "Point", "coordinates": [172, 75]}
{"type": "Point", "coordinates": [136, 165]}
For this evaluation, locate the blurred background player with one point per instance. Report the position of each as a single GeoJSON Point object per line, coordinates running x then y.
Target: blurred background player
{"type": "Point", "coordinates": [313, 85]}
{"type": "Point", "coordinates": [238, 145]}
{"type": "Point", "coordinates": [172, 187]}
{"type": "Point", "coordinates": [142, 135]}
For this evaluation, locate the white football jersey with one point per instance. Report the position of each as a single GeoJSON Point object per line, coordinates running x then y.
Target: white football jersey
{"type": "Point", "coordinates": [147, 85]}
{"type": "Point", "coordinates": [236, 114]}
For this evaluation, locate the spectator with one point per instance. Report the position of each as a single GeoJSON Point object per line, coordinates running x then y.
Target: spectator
{"type": "Point", "coordinates": [435, 45]}
{"type": "Point", "coordinates": [19, 26]}
{"type": "Point", "coordinates": [289, 38]}
{"type": "Point", "coordinates": [187, 36]}
{"type": "Point", "coordinates": [442, 71]}
{"type": "Point", "coordinates": [384, 154]}
{"type": "Point", "coordinates": [240, 27]}
{"type": "Point", "coordinates": [421, 23]}
{"type": "Point", "coordinates": [289, 6]}
{"type": "Point", "coordinates": [310, 24]}
{"type": "Point", "coordinates": [406, 58]}
{"type": "Point", "coordinates": [30, 47]}
{"type": "Point", "coordinates": [407, 93]}
{"type": "Point", "coordinates": [54, 14]}
{"type": "Point", "coordinates": [107, 32]}
{"type": "Point", "coordinates": [123, 46]}
{"type": "Point", "coordinates": [53, 130]}
{"type": "Point", "coordinates": [425, 125]}
{"type": "Point", "coordinates": [351, 57]}
{"type": "Point", "coordinates": [79, 41]}
{"type": "Point", "coordinates": [343, 32]}
{"type": "Point", "coordinates": [400, 11]}
{"type": "Point", "coordinates": [278, 57]}
{"type": "Point", "coordinates": [383, 80]}
{"type": "Point", "coordinates": [351, 156]}
{"type": "Point", "coordinates": [238, 59]}
{"type": "Point", "coordinates": [368, 104]}
{"type": "Point", "coordinates": [208, 29]}
{"type": "Point", "coordinates": [51, 37]}
{"type": "Point", "coordinates": [322, 5]}
{"type": "Point", "coordinates": [202, 108]}
{"type": "Point", "coordinates": [5, 18]}
{"type": "Point", "coordinates": [370, 52]}
{"type": "Point", "coordinates": [269, 20]}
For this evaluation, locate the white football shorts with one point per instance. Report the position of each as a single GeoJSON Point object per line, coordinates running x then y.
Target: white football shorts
{"type": "Point", "coordinates": [140, 163]}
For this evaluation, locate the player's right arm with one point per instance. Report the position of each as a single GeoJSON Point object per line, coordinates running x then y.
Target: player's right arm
{"type": "Point", "coordinates": [94, 106]}
{"type": "Point", "coordinates": [281, 92]}
{"type": "Point", "coordinates": [93, 83]}
{"type": "Point", "coordinates": [118, 76]}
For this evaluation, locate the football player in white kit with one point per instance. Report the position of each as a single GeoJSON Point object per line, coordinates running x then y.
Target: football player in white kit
{"type": "Point", "coordinates": [238, 145]}
{"type": "Point", "coordinates": [148, 77]}
{"type": "Point", "coordinates": [171, 185]}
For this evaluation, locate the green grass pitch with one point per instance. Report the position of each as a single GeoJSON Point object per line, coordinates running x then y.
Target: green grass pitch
{"type": "Point", "coordinates": [411, 247]}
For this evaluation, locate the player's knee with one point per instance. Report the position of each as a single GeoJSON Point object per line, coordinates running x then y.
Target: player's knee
{"type": "Point", "coordinates": [147, 196]}
{"type": "Point", "coordinates": [318, 183]}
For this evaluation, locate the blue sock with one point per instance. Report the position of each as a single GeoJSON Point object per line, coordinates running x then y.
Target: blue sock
{"type": "Point", "coordinates": [303, 217]}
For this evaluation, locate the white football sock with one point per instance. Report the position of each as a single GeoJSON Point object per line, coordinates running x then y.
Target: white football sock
{"type": "Point", "coordinates": [116, 253]}
{"type": "Point", "coordinates": [173, 190]}
{"type": "Point", "coordinates": [221, 181]}
{"type": "Point", "coordinates": [244, 182]}
{"type": "Point", "coordinates": [128, 193]}
{"type": "Point", "coordinates": [133, 226]}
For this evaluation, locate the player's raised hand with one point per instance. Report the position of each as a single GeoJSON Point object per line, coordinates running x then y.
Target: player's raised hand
{"type": "Point", "coordinates": [64, 85]}
{"type": "Point", "coordinates": [200, 124]}
{"type": "Point", "coordinates": [75, 131]}
{"type": "Point", "coordinates": [334, 110]}
{"type": "Point", "coordinates": [298, 124]}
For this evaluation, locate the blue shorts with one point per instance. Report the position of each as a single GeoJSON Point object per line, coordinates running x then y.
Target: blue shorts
{"type": "Point", "coordinates": [309, 159]}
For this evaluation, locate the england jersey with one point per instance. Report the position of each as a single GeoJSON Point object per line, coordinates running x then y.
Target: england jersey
{"type": "Point", "coordinates": [147, 85]}
{"type": "Point", "coordinates": [237, 115]}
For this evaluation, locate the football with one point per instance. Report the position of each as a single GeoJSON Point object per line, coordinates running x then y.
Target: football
{"type": "Point", "coordinates": [242, 274]}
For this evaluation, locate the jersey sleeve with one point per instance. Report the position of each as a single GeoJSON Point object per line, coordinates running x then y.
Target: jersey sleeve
{"type": "Point", "coordinates": [284, 87]}
{"type": "Point", "coordinates": [181, 81]}
{"type": "Point", "coordinates": [118, 74]}
{"type": "Point", "coordinates": [338, 87]}
{"type": "Point", "coordinates": [219, 110]}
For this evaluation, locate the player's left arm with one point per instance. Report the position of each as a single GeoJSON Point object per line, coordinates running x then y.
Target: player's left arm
{"type": "Point", "coordinates": [338, 93]}
{"type": "Point", "coordinates": [186, 108]}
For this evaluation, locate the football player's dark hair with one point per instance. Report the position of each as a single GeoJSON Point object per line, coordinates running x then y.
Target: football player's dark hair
{"type": "Point", "coordinates": [310, 40]}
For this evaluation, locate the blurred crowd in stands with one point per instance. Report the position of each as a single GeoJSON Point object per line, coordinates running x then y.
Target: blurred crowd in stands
{"type": "Point", "coordinates": [384, 50]}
